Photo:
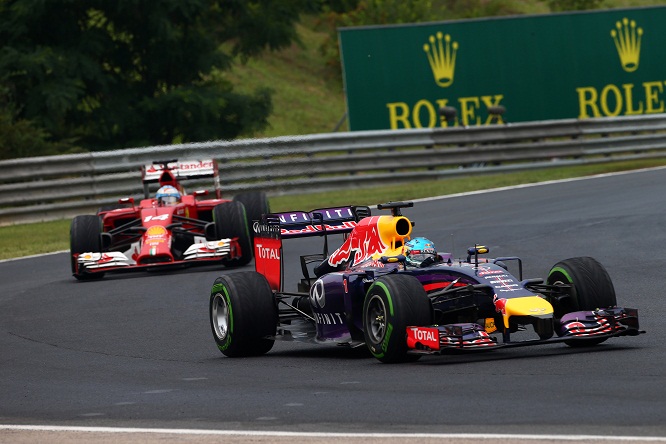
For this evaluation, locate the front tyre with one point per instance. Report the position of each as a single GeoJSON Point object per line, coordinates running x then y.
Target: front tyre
{"type": "Point", "coordinates": [243, 314]}
{"type": "Point", "coordinates": [84, 237]}
{"type": "Point", "coordinates": [592, 289]}
{"type": "Point", "coordinates": [393, 303]}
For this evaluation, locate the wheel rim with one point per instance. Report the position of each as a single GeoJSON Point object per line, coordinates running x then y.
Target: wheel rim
{"type": "Point", "coordinates": [220, 316]}
{"type": "Point", "coordinates": [376, 319]}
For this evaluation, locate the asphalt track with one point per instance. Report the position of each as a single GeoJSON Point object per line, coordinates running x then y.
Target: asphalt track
{"type": "Point", "coordinates": [131, 357]}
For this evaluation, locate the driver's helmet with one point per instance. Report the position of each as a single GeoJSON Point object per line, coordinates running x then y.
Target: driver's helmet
{"type": "Point", "coordinates": [420, 249]}
{"type": "Point", "coordinates": [167, 195]}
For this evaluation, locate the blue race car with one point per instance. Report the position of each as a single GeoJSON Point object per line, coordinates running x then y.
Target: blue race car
{"type": "Point", "coordinates": [399, 297]}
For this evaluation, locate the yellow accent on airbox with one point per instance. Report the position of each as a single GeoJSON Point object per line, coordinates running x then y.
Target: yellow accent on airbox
{"type": "Point", "coordinates": [526, 306]}
{"type": "Point", "coordinates": [393, 230]}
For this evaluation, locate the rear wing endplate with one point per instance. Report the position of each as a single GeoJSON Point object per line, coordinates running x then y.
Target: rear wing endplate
{"type": "Point", "coordinates": [274, 227]}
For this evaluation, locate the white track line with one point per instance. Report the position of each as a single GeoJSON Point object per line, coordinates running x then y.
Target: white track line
{"type": "Point", "coordinates": [119, 430]}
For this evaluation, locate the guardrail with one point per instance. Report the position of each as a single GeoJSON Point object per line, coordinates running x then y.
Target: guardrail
{"type": "Point", "coordinates": [55, 187]}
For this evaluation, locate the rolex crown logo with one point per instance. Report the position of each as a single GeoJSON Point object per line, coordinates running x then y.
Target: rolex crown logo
{"type": "Point", "coordinates": [627, 39]}
{"type": "Point", "coordinates": [442, 58]}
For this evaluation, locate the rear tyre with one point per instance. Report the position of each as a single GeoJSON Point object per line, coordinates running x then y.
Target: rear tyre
{"type": "Point", "coordinates": [230, 221]}
{"type": "Point", "coordinates": [85, 236]}
{"type": "Point", "coordinates": [592, 289]}
{"type": "Point", "coordinates": [393, 303]}
{"type": "Point", "coordinates": [256, 204]}
{"type": "Point", "coordinates": [243, 314]}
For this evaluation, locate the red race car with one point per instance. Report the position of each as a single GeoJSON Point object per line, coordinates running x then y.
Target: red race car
{"type": "Point", "coordinates": [173, 228]}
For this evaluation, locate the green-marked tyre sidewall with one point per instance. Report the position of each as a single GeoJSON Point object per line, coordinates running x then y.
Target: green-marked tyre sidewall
{"type": "Point", "coordinates": [221, 289]}
{"type": "Point", "coordinates": [392, 303]}
{"type": "Point", "coordinates": [379, 350]}
{"type": "Point", "coordinates": [249, 312]}
{"type": "Point", "coordinates": [562, 271]}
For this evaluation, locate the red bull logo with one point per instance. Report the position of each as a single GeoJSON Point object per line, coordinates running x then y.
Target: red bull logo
{"type": "Point", "coordinates": [500, 305]}
{"type": "Point", "coordinates": [364, 242]}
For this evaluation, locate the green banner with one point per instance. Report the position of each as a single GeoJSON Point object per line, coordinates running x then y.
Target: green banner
{"type": "Point", "coordinates": [557, 66]}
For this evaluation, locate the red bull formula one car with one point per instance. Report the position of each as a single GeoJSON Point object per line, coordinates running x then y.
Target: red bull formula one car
{"type": "Point", "coordinates": [171, 229]}
{"type": "Point", "coordinates": [399, 297]}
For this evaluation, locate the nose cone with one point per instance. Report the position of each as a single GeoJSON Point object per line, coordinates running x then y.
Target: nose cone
{"type": "Point", "coordinates": [526, 306]}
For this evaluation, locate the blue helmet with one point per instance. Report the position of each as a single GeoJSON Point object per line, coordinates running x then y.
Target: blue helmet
{"type": "Point", "coordinates": [420, 249]}
{"type": "Point", "coordinates": [168, 195]}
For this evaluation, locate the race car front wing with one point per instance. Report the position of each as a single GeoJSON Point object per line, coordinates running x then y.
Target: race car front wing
{"type": "Point", "coordinates": [581, 325]}
{"type": "Point", "coordinates": [93, 262]}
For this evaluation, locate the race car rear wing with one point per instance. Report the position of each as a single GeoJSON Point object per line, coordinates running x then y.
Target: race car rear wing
{"type": "Point", "coordinates": [274, 227]}
{"type": "Point", "coordinates": [318, 222]}
{"type": "Point", "coordinates": [171, 172]}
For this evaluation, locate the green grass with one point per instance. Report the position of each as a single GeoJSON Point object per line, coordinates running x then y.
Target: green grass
{"type": "Point", "coordinates": [308, 97]}
{"type": "Point", "coordinates": [30, 239]}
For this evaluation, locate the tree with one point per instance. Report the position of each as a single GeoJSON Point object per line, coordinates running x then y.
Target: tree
{"type": "Point", "coordinates": [337, 14]}
{"type": "Point", "coordinates": [123, 73]}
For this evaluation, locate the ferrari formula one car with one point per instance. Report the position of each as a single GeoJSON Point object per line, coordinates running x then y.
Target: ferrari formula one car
{"type": "Point", "coordinates": [370, 291]}
{"type": "Point", "coordinates": [173, 228]}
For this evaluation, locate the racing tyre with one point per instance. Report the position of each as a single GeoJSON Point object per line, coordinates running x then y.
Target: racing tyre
{"type": "Point", "coordinates": [85, 236]}
{"type": "Point", "coordinates": [256, 204]}
{"type": "Point", "coordinates": [243, 314]}
{"type": "Point", "coordinates": [592, 287]}
{"type": "Point", "coordinates": [230, 221]}
{"type": "Point", "coordinates": [393, 303]}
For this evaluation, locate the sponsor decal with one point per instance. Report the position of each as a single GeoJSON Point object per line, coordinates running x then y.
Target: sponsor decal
{"type": "Point", "coordinates": [627, 37]}
{"type": "Point", "coordinates": [441, 53]}
{"type": "Point", "coordinates": [335, 213]}
{"type": "Point", "coordinates": [267, 259]}
{"type": "Point", "coordinates": [500, 305]}
{"type": "Point", "coordinates": [485, 271]}
{"type": "Point", "coordinates": [194, 165]}
{"type": "Point", "coordinates": [426, 336]}
{"type": "Point", "coordinates": [318, 228]}
{"type": "Point", "coordinates": [268, 253]}
{"type": "Point", "coordinates": [626, 98]}
{"type": "Point", "coordinates": [155, 235]}
{"type": "Point", "coordinates": [329, 318]}
{"type": "Point", "coordinates": [327, 214]}
{"type": "Point", "coordinates": [317, 295]}
{"type": "Point", "coordinates": [202, 164]}
{"type": "Point", "coordinates": [507, 289]}
{"type": "Point", "coordinates": [299, 216]}
{"type": "Point", "coordinates": [156, 230]}
{"type": "Point", "coordinates": [490, 326]}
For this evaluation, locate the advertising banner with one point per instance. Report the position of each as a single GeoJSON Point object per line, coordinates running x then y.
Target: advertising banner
{"type": "Point", "coordinates": [556, 66]}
